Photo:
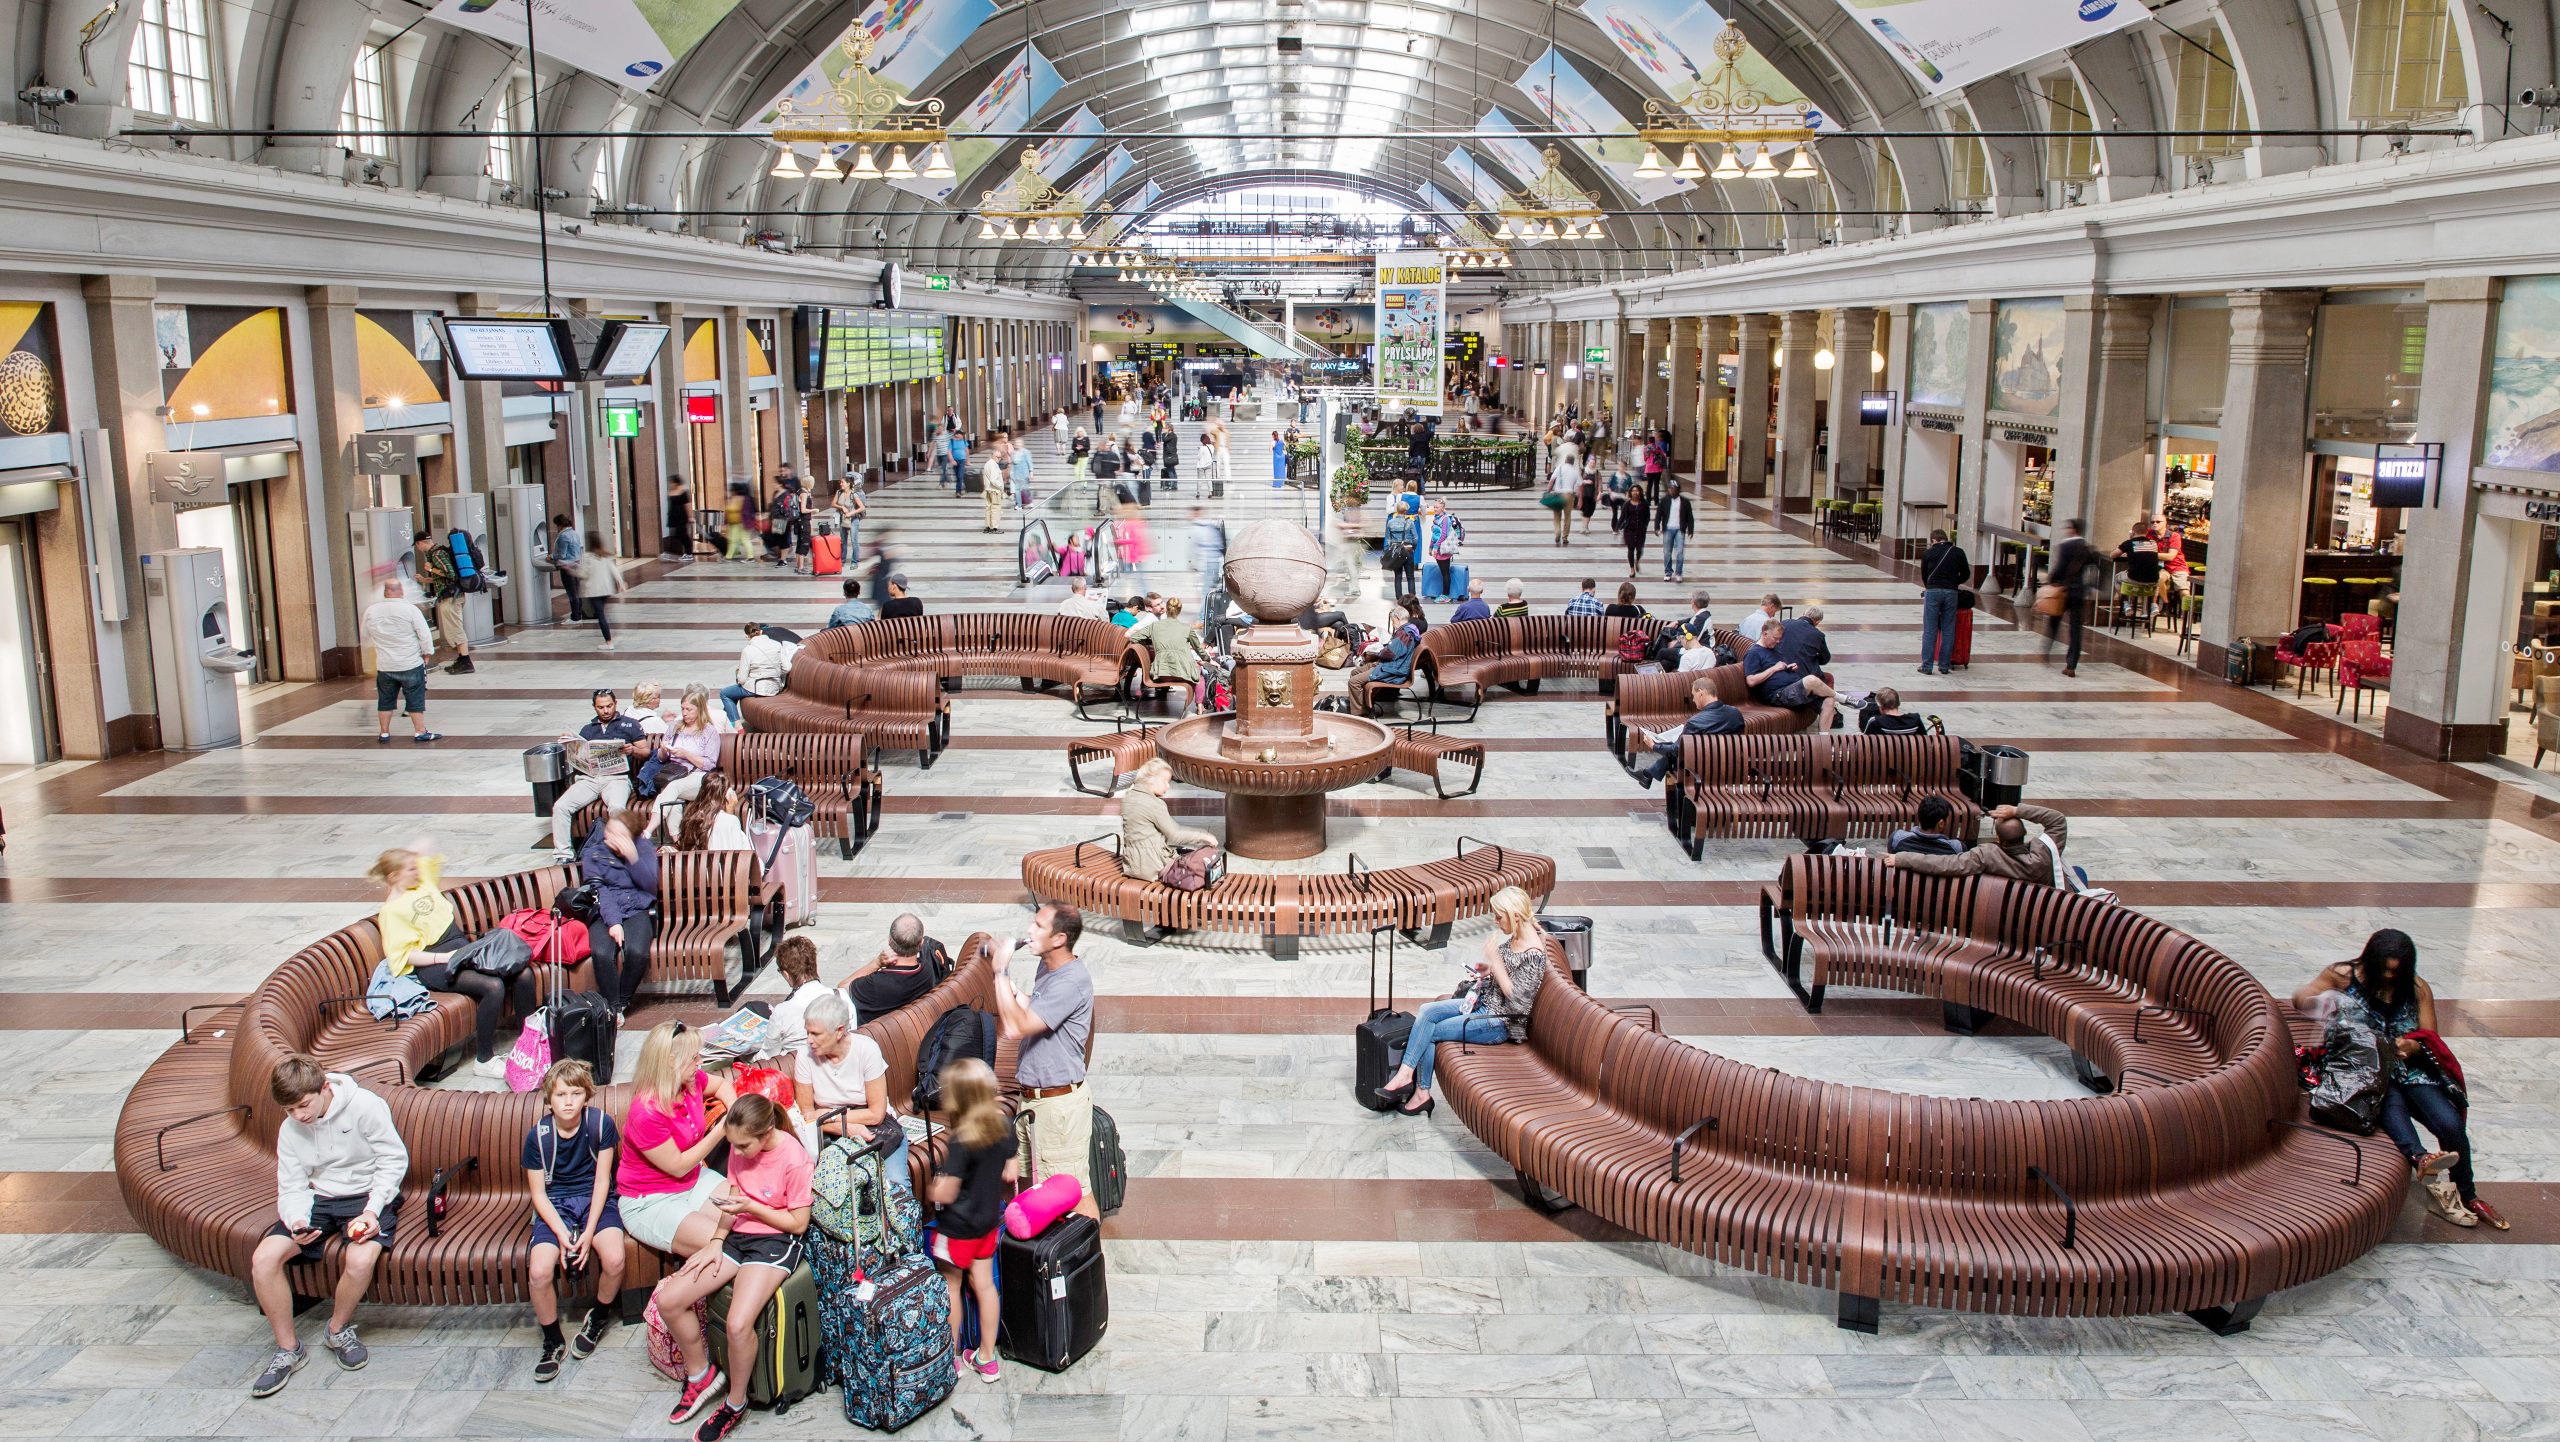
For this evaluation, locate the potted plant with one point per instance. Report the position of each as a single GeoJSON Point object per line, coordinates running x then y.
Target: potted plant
{"type": "Point", "coordinates": [1350, 487]}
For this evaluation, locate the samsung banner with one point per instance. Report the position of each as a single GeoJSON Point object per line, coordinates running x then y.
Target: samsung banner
{"type": "Point", "coordinates": [629, 42]}
{"type": "Point", "coordinates": [1412, 327]}
{"type": "Point", "coordinates": [1948, 44]}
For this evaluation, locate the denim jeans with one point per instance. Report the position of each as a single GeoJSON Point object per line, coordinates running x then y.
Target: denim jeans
{"type": "Point", "coordinates": [2431, 1107]}
{"type": "Point", "coordinates": [1675, 554]}
{"type": "Point", "coordinates": [730, 696]}
{"type": "Point", "coordinates": [1443, 1020]}
{"type": "Point", "coordinates": [1937, 627]}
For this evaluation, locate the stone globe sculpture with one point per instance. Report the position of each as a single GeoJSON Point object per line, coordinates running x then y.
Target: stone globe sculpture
{"type": "Point", "coordinates": [1275, 570]}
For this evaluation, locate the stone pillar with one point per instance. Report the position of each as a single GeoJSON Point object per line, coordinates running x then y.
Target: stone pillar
{"type": "Point", "coordinates": [2117, 473]}
{"type": "Point", "coordinates": [1658, 386]}
{"type": "Point", "coordinates": [2260, 497]}
{"type": "Point", "coordinates": [737, 415]}
{"type": "Point", "coordinates": [1680, 393]}
{"type": "Point", "coordinates": [1799, 337]}
{"type": "Point", "coordinates": [124, 360]}
{"type": "Point", "coordinates": [1853, 343]}
{"type": "Point", "coordinates": [336, 407]}
{"type": "Point", "coordinates": [2462, 571]}
{"type": "Point", "coordinates": [1716, 338]}
{"type": "Point", "coordinates": [1964, 494]}
{"type": "Point", "coordinates": [1753, 335]}
{"type": "Point", "coordinates": [1898, 526]}
{"type": "Point", "coordinates": [2076, 375]}
{"type": "Point", "coordinates": [675, 451]}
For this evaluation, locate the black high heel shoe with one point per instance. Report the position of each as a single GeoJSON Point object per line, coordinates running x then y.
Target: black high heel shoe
{"type": "Point", "coordinates": [1421, 1111]}
{"type": "Point", "coordinates": [1394, 1097]}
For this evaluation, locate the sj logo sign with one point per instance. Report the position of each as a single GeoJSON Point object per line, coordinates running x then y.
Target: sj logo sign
{"type": "Point", "coordinates": [187, 480]}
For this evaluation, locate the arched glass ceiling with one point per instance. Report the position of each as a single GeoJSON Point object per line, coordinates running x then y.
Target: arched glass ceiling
{"type": "Point", "coordinates": [1358, 70]}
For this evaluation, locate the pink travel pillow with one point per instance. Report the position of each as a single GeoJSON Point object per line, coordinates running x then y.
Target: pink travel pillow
{"type": "Point", "coordinates": [1030, 1213]}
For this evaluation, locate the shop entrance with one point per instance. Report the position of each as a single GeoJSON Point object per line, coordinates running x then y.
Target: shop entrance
{"type": "Point", "coordinates": [26, 692]}
{"type": "Point", "coordinates": [239, 530]}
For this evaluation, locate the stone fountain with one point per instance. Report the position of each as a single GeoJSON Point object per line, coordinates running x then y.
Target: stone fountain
{"type": "Point", "coordinates": [1275, 757]}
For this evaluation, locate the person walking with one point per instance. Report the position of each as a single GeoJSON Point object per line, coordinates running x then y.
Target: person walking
{"type": "Point", "coordinates": [1563, 483]}
{"type": "Point", "coordinates": [675, 537]}
{"type": "Point", "coordinates": [994, 478]}
{"type": "Point", "coordinates": [1635, 521]}
{"type": "Point", "coordinates": [2074, 569]}
{"type": "Point", "coordinates": [562, 556]}
{"type": "Point", "coordinates": [1944, 569]}
{"type": "Point", "coordinates": [600, 583]}
{"type": "Point", "coordinates": [1445, 534]}
{"type": "Point", "coordinates": [401, 644]}
{"type": "Point", "coordinates": [1679, 517]}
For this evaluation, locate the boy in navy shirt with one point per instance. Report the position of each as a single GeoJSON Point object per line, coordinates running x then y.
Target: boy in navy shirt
{"type": "Point", "coordinates": [568, 1163]}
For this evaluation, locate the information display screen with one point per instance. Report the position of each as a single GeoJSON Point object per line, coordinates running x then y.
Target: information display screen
{"type": "Point", "coordinates": [1463, 348]}
{"type": "Point", "coordinates": [506, 350]}
{"type": "Point", "coordinates": [629, 351]}
{"type": "Point", "coordinates": [1218, 349]}
{"type": "Point", "coordinates": [1152, 350]}
{"type": "Point", "coordinates": [844, 347]}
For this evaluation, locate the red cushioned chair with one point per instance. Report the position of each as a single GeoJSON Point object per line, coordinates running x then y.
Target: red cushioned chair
{"type": "Point", "coordinates": [2361, 667]}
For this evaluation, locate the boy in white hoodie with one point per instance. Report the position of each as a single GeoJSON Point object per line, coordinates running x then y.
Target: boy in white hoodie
{"type": "Point", "coordinates": [339, 1161]}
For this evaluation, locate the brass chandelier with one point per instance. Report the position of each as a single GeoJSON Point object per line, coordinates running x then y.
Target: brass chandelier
{"type": "Point", "coordinates": [1553, 207]}
{"type": "Point", "coordinates": [1027, 207]}
{"type": "Point", "coordinates": [1724, 109]}
{"type": "Point", "coordinates": [865, 114]}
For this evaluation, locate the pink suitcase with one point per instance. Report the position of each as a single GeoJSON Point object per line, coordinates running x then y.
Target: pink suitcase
{"type": "Point", "coordinates": [792, 859]}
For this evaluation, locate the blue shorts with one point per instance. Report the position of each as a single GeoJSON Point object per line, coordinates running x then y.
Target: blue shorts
{"type": "Point", "coordinates": [389, 686]}
{"type": "Point", "coordinates": [573, 1210]}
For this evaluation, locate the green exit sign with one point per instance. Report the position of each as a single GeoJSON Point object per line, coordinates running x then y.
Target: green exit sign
{"type": "Point", "coordinates": [622, 423]}
{"type": "Point", "coordinates": [937, 282]}
{"type": "Point", "coordinates": [1597, 355]}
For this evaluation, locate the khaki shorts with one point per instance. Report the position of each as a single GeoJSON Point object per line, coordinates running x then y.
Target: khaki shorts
{"type": "Point", "coordinates": [1061, 1133]}
{"type": "Point", "coordinates": [451, 624]}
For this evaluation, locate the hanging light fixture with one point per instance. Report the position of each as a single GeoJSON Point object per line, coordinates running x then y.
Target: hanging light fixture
{"type": "Point", "coordinates": [1550, 197]}
{"type": "Point", "coordinates": [1045, 212]}
{"type": "Point", "coordinates": [1690, 168]}
{"type": "Point", "coordinates": [898, 167]}
{"type": "Point", "coordinates": [786, 166]}
{"type": "Point", "coordinates": [937, 162]}
{"type": "Point", "coordinates": [1725, 109]}
{"type": "Point", "coordinates": [859, 109]}
{"type": "Point", "coordinates": [1651, 167]}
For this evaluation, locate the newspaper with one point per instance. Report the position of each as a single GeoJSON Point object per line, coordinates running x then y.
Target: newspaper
{"type": "Point", "coordinates": [596, 758]}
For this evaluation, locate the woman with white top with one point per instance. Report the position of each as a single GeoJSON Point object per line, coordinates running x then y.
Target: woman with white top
{"type": "Point", "coordinates": [711, 822]}
{"type": "Point", "coordinates": [1563, 484]}
{"type": "Point", "coordinates": [761, 668]}
{"type": "Point", "coordinates": [840, 1081]}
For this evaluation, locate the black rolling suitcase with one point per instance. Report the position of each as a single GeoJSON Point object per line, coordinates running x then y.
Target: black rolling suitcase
{"type": "Point", "coordinates": [1053, 1299]}
{"type": "Point", "coordinates": [1377, 1045]}
{"type": "Point", "coordinates": [1573, 933]}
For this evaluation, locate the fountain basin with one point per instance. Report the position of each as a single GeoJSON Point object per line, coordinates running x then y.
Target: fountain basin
{"type": "Point", "coordinates": [1275, 809]}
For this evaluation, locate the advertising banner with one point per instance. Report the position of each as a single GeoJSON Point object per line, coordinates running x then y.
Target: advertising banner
{"type": "Point", "coordinates": [1074, 141]}
{"type": "Point", "coordinates": [1673, 43]}
{"type": "Point", "coordinates": [1010, 100]}
{"type": "Point", "coordinates": [1413, 326]}
{"type": "Point", "coordinates": [1949, 44]}
{"type": "Point", "coordinates": [629, 42]}
{"type": "Point", "coordinates": [1573, 104]}
{"type": "Point", "coordinates": [910, 38]}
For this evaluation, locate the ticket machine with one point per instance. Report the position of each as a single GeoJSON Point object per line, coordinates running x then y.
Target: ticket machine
{"type": "Point", "coordinates": [522, 534]}
{"type": "Point", "coordinates": [194, 665]}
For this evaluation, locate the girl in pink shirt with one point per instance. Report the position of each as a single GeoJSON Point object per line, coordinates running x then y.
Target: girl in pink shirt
{"type": "Point", "coordinates": [764, 1210]}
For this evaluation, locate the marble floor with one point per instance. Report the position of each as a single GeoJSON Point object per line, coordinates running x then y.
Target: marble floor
{"type": "Point", "coordinates": [1290, 1265]}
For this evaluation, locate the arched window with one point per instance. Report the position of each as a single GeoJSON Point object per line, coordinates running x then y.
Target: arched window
{"type": "Point", "coordinates": [366, 113]}
{"type": "Point", "coordinates": [2071, 152]}
{"type": "Point", "coordinates": [501, 164]}
{"type": "Point", "coordinates": [2408, 61]}
{"type": "Point", "coordinates": [2208, 96]}
{"type": "Point", "coordinates": [170, 71]}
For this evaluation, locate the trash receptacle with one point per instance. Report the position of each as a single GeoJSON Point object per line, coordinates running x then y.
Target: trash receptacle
{"type": "Point", "coordinates": [547, 767]}
{"type": "Point", "coordinates": [2004, 776]}
{"type": "Point", "coordinates": [1574, 932]}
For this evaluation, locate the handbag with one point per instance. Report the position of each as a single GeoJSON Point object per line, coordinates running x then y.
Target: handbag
{"type": "Point", "coordinates": [496, 952]}
{"type": "Point", "coordinates": [531, 1056]}
{"type": "Point", "coordinates": [554, 940]}
{"type": "Point", "coordinates": [578, 903]}
{"type": "Point", "coordinates": [1195, 870]}
{"type": "Point", "coordinates": [2049, 600]}
{"type": "Point", "coordinates": [1553, 500]}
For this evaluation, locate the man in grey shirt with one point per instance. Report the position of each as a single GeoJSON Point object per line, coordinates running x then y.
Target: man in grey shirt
{"type": "Point", "coordinates": [1051, 1027]}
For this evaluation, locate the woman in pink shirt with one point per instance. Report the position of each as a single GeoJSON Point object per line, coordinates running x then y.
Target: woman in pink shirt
{"type": "Point", "coordinates": [666, 1190]}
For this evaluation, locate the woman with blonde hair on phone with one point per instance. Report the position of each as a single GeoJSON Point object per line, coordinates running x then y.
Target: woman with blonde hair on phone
{"type": "Point", "coordinates": [1494, 1007]}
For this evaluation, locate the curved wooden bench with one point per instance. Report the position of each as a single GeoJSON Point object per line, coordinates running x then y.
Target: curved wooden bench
{"type": "Point", "coordinates": [1659, 701]}
{"type": "Point", "coordinates": [195, 1142]}
{"type": "Point", "coordinates": [1523, 651]}
{"type": "Point", "coordinates": [1423, 901]}
{"type": "Point", "coordinates": [829, 766]}
{"type": "Point", "coordinates": [889, 710]}
{"type": "Point", "coordinates": [1812, 787]}
{"type": "Point", "coordinates": [2195, 1186]}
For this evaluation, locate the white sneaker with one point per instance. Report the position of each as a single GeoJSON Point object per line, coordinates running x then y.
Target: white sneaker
{"type": "Point", "coordinates": [493, 1069]}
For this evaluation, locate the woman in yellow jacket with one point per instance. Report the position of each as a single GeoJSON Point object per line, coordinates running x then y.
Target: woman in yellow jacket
{"type": "Point", "coordinates": [420, 934]}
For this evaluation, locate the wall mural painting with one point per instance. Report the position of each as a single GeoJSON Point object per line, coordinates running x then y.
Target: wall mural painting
{"type": "Point", "coordinates": [389, 369]}
{"type": "Point", "coordinates": [222, 362]}
{"type": "Point", "coordinates": [2523, 427]}
{"type": "Point", "coordinates": [2026, 372]}
{"type": "Point", "coordinates": [1941, 342]}
{"type": "Point", "coordinates": [30, 370]}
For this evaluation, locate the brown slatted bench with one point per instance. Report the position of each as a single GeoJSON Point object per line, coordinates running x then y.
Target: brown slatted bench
{"type": "Point", "coordinates": [891, 710]}
{"type": "Point", "coordinates": [1812, 787]}
{"type": "Point", "coordinates": [1659, 701]}
{"type": "Point", "coordinates": [2196, 1186]}
{"type": "Point", "coordinates": [1522, 651]}
{"type": "Point", "coordinates": [829, 766]}
{"type": "Point", "coordinates": [1423, 901]}
{"type": "Point", "coordinates": [195, 1142]}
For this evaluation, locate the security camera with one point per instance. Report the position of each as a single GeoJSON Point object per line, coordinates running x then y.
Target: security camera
{"type": "Point", "coordinates": [52, 95]}
{"type": "Point", "coordinates": [2541, 97]}
{"type": "Point", "coordinates": [573, 230]}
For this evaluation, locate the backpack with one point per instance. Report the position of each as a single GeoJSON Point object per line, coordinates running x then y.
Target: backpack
{"type": "Point", "coordinates": [468, 577]}
{"type": "Point", "coordinates": [963, 1031]}
{"type": "Point", "coordinates": [786, 504]}
{"type": "Point", "coordinates": [937, 960]}
{"type": "Point", "coordinates": [1635, 646]}
{"type": "Point", "coordinates": [1399, 541]}
{"type": "Point", "coordinates": [844, 1189]}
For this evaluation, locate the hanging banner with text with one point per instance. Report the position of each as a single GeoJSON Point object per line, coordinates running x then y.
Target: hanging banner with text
{"type": "Point", "coordinates": [1412, 326]}
{"type": "Point", "coordinates": [629, 42]}
{"type": "Point", "coordinates": [1949, 44]}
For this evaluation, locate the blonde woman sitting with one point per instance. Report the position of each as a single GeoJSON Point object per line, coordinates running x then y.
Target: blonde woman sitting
{"type": "Point", "coordinates": [1493, 1008]}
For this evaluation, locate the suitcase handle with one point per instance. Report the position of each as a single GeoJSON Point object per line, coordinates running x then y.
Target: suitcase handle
{"type": "Point", "coordinates": [1373, 967]}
